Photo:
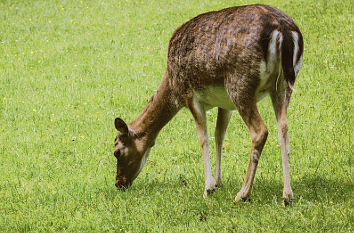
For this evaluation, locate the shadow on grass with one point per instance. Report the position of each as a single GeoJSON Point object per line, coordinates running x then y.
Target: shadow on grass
{"type": "Point", "coordinates": [308, 188]}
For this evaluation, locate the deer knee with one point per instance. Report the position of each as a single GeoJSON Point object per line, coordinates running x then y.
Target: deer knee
{"type": "Point", "coordinates": [255, 155]}
{"type": "Point", "coordinates": [258, 141]}
{"type": "Point", "coordinates": [259, 138]}
{"type": "Point", "coordinates": [283, 128]}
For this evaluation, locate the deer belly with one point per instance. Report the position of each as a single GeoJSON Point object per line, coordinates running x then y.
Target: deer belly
{"type": "Point", "coordinates": [214, 96]}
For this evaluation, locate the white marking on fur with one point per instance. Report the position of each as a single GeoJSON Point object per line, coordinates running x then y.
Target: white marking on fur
{"type": "Point", "coordinates": [143, 160]}
{"type": "Point", "coordinates": [209, 179]}
{"type": "Point", "coordinates": [297, 65]}
{"type": "Point", "coordinates": [268, 68]}
{"type": "Point", "coordinates": [276, 82]}
{"type": "Point", "coordinates": [273, 44]}
{"type": "Point", "coordinates": [296, 47]}
{"type": "Point", "coordinates": [142, 163]}
{"type": "Point", "coordinates": [214, 96]}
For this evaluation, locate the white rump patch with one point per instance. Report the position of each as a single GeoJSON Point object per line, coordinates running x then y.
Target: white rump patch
{"type": "Point", "coordinates": [266, 69]}
{"type": "Point", "coordinates": [271, 66]}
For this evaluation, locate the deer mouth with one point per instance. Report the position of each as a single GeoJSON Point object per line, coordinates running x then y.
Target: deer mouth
{"type": "Point", "coordinates": [122, 185]}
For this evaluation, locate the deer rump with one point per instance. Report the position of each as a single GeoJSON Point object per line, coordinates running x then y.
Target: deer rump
{"type": "Point", "coordinates": [247, 43]}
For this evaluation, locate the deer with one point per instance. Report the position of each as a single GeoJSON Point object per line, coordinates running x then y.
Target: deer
{"type": "Point", "coordinates": [229, 59]}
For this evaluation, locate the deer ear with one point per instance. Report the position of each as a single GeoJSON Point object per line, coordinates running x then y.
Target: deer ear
{"type": "Point", "coordinates": [121, 126]}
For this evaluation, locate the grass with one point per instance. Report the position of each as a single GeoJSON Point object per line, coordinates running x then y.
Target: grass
{"type": "Point", "coordinates": [68, 68]}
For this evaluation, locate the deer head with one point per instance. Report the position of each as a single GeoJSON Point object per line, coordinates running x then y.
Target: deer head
{"type": "Point", "coordinates": [131, 151]}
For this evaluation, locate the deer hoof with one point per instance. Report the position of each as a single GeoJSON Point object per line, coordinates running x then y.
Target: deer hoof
{"type": "Point", "coordinates": [287, 198]}
{"type": "Point", "coordinates": [218, 182]}
{"type": "Point", "coordinates": [242, 197]}
{"type": "Point", "coordinates": [208, 192]}
{"type": "Point", "coordinates": [209, 188]}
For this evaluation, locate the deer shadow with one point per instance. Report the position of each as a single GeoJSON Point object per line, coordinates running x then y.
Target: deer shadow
{"type": "Point", "coordinates": [307, 188]}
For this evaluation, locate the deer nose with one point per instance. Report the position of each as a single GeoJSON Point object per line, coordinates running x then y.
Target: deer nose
{"type": "Point", "coordinates": [122, 185]}
{"type": "Point", "coordinates": [118, 184]}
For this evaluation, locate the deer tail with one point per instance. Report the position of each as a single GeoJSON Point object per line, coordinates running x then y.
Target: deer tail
{"type": "Point", "coordinates": [287, 55]}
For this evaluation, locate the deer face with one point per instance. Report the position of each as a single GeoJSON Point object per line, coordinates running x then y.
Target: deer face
{"type": "Point", "coordinates": [130, 153]}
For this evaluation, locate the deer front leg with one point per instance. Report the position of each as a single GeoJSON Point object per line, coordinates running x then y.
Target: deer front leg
{"type": "Point", "coordinates": [280, 104]}
{"type": "Point", "coordinates": [198, 112]}
{"type": "Point", "coordinates": [221, 126]}
{"type": "Point", "coordinates": [259, 133]}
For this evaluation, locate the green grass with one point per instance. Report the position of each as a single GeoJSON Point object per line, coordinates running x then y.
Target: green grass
{"type": "Point", "coordinates": [68, 68]}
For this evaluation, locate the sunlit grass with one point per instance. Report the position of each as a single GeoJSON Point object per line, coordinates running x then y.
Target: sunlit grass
{"type": "Point", "coordinates": [68, 68]}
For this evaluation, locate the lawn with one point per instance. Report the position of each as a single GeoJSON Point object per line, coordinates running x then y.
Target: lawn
{"type": "Point", "coordinates": [68, 68]}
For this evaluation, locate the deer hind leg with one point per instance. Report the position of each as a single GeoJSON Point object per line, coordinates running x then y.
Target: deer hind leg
{"type": "Point", "coordinates": [221, 126]}
{"type": "Point", "coordinates": [259, 133]}
{"type": "Point", "coordinates": [198, 112]}
{"type": "Point", "coordinates": [280, 102]}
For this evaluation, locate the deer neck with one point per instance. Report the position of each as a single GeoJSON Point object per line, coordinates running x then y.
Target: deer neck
{"type": "Point", "coordinates": [157, 113]}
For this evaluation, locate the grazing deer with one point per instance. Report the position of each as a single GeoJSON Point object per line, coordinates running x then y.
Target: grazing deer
{"type": "Point", "coordinates": [228, 59]}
